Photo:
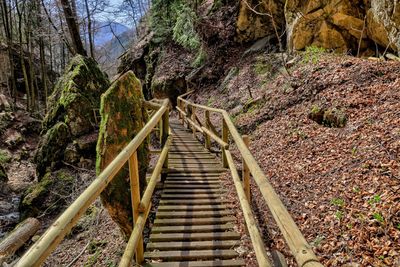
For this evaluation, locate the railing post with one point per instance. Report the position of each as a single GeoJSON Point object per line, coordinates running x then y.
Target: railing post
{"type": "Point", "coordinates": [206, 136]}
{"type": "Point", "coordinates": [135, 198]}
{"type": "Point", "coordinates": [194, 120]}
{"type": "Point", "coordinates": [225, 139]}
{"type": "Point", "coordinates": [246, 172]}
{"type": "Point", "coordinates": [188, 110]}
{"type": "Point", "coordinates": [165, 129]}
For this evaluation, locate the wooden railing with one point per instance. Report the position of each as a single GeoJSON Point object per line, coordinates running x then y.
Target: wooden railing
{"type": "Point", "coordinates": [38, 253]}
{"type": "Point", "coordinates": [298, 245]}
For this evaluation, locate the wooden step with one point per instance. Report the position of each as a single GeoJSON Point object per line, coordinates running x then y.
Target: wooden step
{"type": "Point", "coordinates": [196, 170]}
{"type": "Point", "coordinates": [189, 196]}
{"type": "Point", "coordinates": [193, 174]}
{"type": "Point", "coordinates": [193, 201]}
{"type": "Point", "coordinates": [192, 182]}
{"type": "Point", "coordinates": [196, 221]}
{"type": "Point", "coordinates": [191, 228]}
{"type": "Point", "coordinates": [191, 207]}
{"type": "Point", "coordinates": [194, 186]}
{"type": "Point", "coordinates": [192, 214]}
{"type": "Point", "coordinates": [191, 255]}
{"type": "Point", "coordinates": [217, 263]}
{"type": "Point", "coordinates": [193, 191]}
{"type": "Point", "coordinates": [218, 244]}
{"type": "Point", "coordinates": [164, 237]}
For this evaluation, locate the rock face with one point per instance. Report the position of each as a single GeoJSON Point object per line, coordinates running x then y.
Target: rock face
{"type": "Point", "coordinates": [71, 112]}
{"type": "Point", "coordinates": [336, 25]}
{"type": "Point", "coordinates": [49, 195]}
{"type": "Point", "coordinates": [122, 117]}
{"type": "Point", "coordinates": [383, 20]}
{"type": "Point", "coordinates": [252, 26]}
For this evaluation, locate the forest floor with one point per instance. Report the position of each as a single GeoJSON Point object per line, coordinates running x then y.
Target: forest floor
{"type": "Point", "coordinates": [341, 185]}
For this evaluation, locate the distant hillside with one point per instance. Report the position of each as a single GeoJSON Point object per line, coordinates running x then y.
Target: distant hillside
{"type": "Point", "coordinates": [104, 33]}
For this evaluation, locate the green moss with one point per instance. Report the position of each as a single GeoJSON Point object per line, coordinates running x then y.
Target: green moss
{"type": "Point", "coordinates": [184, 32]}
{"type": "Point", "coordinates": [313, 54]}
{"type": "Point", "coordinates": [201, 58]}
{"type": "Point", "coordinates": [4, 157]}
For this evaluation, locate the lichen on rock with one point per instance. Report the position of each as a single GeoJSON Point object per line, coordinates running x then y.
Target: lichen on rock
{"type": "Point", "coordinates": [122, 117]}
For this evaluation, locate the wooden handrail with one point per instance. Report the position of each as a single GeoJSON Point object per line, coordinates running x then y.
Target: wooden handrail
{"type": "Point", "coordinates": [298, 245]}
{"type": "Point", "coordinates": [57, 231]}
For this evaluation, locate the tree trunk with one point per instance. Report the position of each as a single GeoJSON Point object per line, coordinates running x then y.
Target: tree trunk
{"type": "Point", "coordinates": [122, 117]}
{"type": "Point", "coordinates": [17, 238]}
{"type": "Point", "coordinates": [73, 28]}
{"type": "Point", "coordinates": [90, 31]}
{"type": "Point", "coordinates": [7, 24]}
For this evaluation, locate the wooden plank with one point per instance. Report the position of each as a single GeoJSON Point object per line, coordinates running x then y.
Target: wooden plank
{"type": "Point", "coordinates": [197, 221]}
{"type": "Point", "coordinates": [192, 207]}
{"type": "Point", "coordinates": [193, 191]}
{"type": "Point", "coordinates": [192, 182]}
{"type": "Point", "coordinates": [180, 186]}
{"type": "Point", "coordinates": [218, 244]}
{"type": "Point", "coordinates": [193, 174]}
{"type": "Point", "coordinates": [194, 236]}
{"type": "Point", "coordinates": [192, 228]}
{"type": "Point", "coordinates": [191, 255]}
{"type": "Point", "coordinates": [218, 263]}
{"type": "Point", "coordinates": [196, 170]}
{"type": "Point", "coordinates": [188, 196]}
{"type": "Point", "coordinates": [192, 214]}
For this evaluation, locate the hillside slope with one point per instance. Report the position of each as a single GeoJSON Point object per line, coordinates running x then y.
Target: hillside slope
{"type": "Point", "coordinates": [341, 185]}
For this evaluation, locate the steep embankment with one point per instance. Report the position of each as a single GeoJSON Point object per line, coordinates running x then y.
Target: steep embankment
{"type": "Point", "coordinates": [341, 185]}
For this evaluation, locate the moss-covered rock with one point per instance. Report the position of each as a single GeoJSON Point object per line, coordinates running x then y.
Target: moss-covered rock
{"type": "Point", "coordinates": [48, 196]}
{"type": "Point", "coordinates": [71, 113]}
{"type": "Point", "coordinates": [329, 117]}
{"type": "Point", "coordinates": [122, 117]}
{"type": "Point", "coordinates": [51, 148]}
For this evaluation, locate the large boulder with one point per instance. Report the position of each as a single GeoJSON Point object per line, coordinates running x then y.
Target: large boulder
{"type": "Point", "coordinates": [49, 196]}
{"type": "Point", "coordinates": [383, 20]}
{"type": "Point", "coordinates": [72, 111]}
{"type": "Point", "coordinates": [257, 19]}
{"type": "Point", "coordinates": [122, 117]}
{"type": "Point", "coordinates": [334, 25]}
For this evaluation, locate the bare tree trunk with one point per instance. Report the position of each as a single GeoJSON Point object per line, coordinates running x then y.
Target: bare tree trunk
{"type": "Point", "coordinates": [7, 24]}
{"type": "Point", "coordinates": [73, 27]}
{"type": "Point", "coordinates": [22, 54]}
{"type": "Point", "coordinates": [90, 31]}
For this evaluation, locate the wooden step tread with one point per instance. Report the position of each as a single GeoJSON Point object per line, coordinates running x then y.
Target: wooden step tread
{"type": "Point", "coordinates": [207, 182]}
{"type": "Point", "coordinates": [196, 221]}
{"type": "Point", "coordinates": [191, 207]}
{"type": "Point", "coordinates": [192, 214]}
{"type": "Point", "coordinates": [194, 236]}
{"type": "Point", "coordinates": [218, 244]}
{"type": "Point", "coordinates": [193, 201]}
{"type": "Point", "coordinates": [190, 196]}
{"type": "Point", "coordinates": [191, 255]}
{"type": "Point", "coordinates": [192, 228]}
{"type": "Point", "coordinates": [218, 263]}
{"type": "Point", "coordinates": [193, 191]}
{"type": "Point", "coordinates": [191, 186]}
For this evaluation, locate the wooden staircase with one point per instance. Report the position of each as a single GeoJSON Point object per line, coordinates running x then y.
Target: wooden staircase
{"type": "Point", "coordinates": [193, 225]}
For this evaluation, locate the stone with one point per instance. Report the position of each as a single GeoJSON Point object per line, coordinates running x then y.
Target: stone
{"type": "Point", "coordinates": [251, 26]}
{"type": "Point", "coordinates": [122, 117]}
{"type": "Point", "coordinates": [333, 25]}
{"type": "Point", "coordinates": [51, 148]}
{"type": "Point", "coordinates": [71, 154]}
{"type": "Point", "coordinates": [3, 180]}
{"type": "Point", "coordinates": [71, 113]}
{"type": "Point", "coordinates": [48, 196]}
{"type": "Point", "coordinates": [383, 23]}
{"type": "Point", "coordinates": [13, 138]}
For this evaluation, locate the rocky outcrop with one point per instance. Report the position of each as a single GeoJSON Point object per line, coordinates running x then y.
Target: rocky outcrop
{"type": "Point", "coordinates": [259, 18]}
{"type": "Point", "coordinates": [334, 25]}
{"type": "Point", "coordinates": [48, 196]}
{"type": "Point", "coordinates": [71, 114]}
{"type": "Point", "coordinates": [383, 22]}
{"type": "Point", "coordinates": [122, 117]}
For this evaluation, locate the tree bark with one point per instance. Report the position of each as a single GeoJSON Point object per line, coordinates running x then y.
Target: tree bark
{"type": "Point", "coordinates": [17, 238]}
{"type": "Point", "coordinates": [73, 28]}
{"type": "Point", "coordinates": [90, 31]}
